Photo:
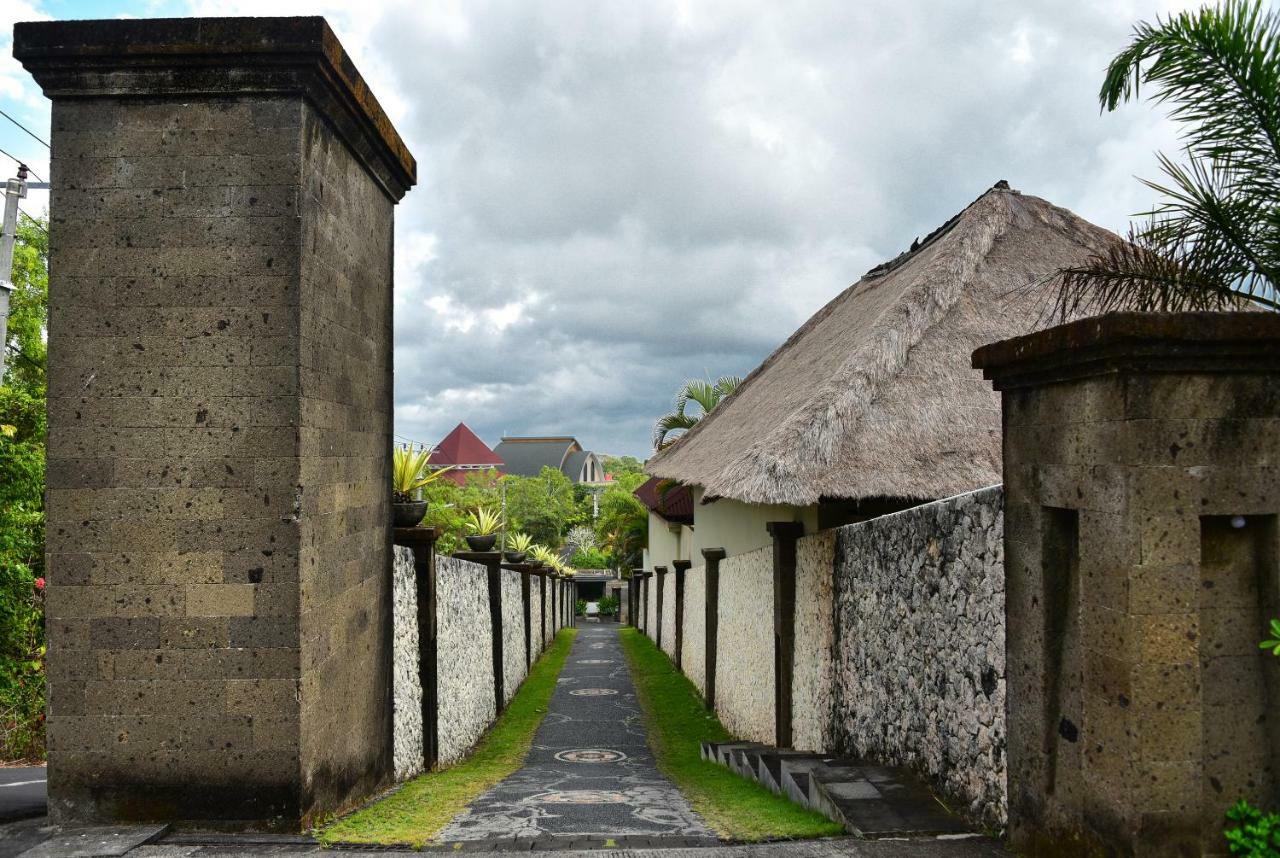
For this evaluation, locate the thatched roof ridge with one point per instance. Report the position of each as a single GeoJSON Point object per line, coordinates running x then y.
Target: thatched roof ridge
{"type": "Point", "coordinates": [874, 395]}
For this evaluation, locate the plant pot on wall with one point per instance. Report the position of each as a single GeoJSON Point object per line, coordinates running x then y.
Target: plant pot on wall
{"type": "Point", "coordinates": [514, 556]}
{"type": "Point", "coordinates": [408, 513]}
{"type": "Point", "coordinates": [482, 543]}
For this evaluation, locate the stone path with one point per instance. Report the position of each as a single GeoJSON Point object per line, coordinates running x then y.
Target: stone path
{"type": "Point", "coordinates": [590, 773]}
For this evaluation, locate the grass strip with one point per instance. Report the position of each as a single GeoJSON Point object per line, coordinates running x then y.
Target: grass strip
{"type": "Point", "coordinates": [678, 721]}
{"type": "Point", "coordinates": [416, 813]}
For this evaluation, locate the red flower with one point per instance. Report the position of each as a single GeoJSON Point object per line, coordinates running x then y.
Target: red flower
{"type": "Point", "coordinates": [40, 584]}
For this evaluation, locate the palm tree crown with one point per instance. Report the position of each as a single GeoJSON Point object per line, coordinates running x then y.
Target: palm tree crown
{"type": "Point", "coordinates": [1214, 241]}
{"type": "Point", "coordinates": [705, 394]}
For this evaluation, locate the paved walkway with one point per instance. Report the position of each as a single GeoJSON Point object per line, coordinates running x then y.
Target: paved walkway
{"type": "Point", "coordinates": [590, 773]}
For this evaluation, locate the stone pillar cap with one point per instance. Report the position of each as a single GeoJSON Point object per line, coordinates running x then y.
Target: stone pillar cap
{"type": "Point", "coordinates": [1135, 342]}
{"type": "Point", "coordinates": [219, 58]}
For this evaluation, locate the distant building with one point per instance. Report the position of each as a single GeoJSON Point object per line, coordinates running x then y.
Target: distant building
{"type": "Point", "coordinates": [466, 453]}
{"type": "Point", "coordinates": [527, 457]}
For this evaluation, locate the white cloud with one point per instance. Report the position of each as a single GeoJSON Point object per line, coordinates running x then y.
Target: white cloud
{"type": "Point", "coordinates": [614, 197]}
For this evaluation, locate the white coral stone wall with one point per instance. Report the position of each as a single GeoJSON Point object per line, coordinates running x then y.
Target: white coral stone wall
{"type": "Point", "coordinates": [744, 660]}
{"type": "Point", "coordinates": [512, 634]}
{"type": "Point", "coordinates": [407, 697]}
{"type": "Point", "coordinates": [694, 647]}
{"type": "Point", "coordinates": [465, 651]}
{"type": "Point", "coordinates": [813, 674]}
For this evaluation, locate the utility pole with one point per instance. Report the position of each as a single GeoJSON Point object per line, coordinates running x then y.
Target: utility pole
{"type": "Point", "coordinates": [14, 190]}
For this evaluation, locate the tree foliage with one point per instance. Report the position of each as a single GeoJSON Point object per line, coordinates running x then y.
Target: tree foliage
{"type": "Point", "coordinates": [22, 460]}
{"type": "Point", "coordinates": [1214, 241]}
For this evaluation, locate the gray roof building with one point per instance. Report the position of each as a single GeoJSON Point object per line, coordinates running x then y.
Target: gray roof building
{"type": "Point", "coordinates": [527, 456]}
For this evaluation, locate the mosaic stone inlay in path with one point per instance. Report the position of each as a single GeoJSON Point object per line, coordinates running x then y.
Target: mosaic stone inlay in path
{"type": "Point", "coordinates": [590, 771]}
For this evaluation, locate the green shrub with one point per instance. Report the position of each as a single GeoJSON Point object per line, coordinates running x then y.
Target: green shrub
{"type": "Point", "coordinates": [1255, 834]}
{"type": "Point", "coordinates": [589, 558]}
{"type": "Point", "coordinates": [580, 607]}
{"type": "Point", "coordinates": [609, 606]}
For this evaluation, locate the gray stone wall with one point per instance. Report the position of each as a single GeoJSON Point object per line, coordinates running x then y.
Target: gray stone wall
{"type": "Point", "coordinates": [407, 700]}
{"type": "Point", "coordinates": [512, 634]}
{"type": "Point", "coordinates": [919, 652]}
{"type": "Point", "coordinates": [813, 677]}
{"type": "Point", "coordinates": [339, 364]}
{"type": "Point", "coordinates": [694, 655]}
{"type": "Point", "coordinates": [465, 650]}
{"type": "Point", "coordinates": [744, 657]}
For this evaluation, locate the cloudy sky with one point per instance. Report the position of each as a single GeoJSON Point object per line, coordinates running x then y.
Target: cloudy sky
{"type": "Point", "coordinates": [617, 196]}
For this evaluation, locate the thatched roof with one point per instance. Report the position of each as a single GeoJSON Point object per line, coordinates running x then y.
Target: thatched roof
{"type": "Point", "coordinates": [875, 396]}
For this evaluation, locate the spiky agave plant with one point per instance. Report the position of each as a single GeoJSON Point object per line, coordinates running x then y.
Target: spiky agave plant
{"type": "Point", "coordinates": [483, 521]}
{"type": "Point", "coordinates": [410, 471]}
{"type": "Point", "coordinates": [1213, 243]}
{"type": "Point", "coordinates": [544, 555]}
{"type": "Point", "coordinates": [520, 543]}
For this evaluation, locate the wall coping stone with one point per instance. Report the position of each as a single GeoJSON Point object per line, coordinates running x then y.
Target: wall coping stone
{"type": "Point", "coordinates": [682, 565]}
{"type": "Point", "coordinates": [1135, 342]}
{"type": "Point", "coordinates": [218, 58]}
{"type": "Point", "coordinates": [412, 536]}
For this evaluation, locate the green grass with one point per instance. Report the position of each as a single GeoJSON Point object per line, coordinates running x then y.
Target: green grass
{"type": "Point", "coordinates": [417, 812]}
{"type": "Point", "coordinates": [736, 808]}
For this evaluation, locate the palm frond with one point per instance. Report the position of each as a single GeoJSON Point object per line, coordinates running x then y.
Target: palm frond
{"type": "Point", "coordinates": [1213, 242]}
{"type": "Point", "coordinates": [1131, 275]}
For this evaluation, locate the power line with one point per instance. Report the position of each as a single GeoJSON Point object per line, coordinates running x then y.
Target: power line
{"type": "Point", "coordinates": [21, 163]}
{"type": "Point", "coordinates": [24, 128]}
{"type": "Point", "coordinates": [34, 222]}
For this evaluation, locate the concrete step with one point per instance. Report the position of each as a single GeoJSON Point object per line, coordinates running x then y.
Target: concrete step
{"type": "Point", "coordinates": [868, 800]}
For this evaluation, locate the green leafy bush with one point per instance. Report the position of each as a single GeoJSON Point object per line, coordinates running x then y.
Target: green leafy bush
{"type": "Point", "coordinates": [1255, 834]}
{"type": "Point", "coordinates": [609, 606]}
{"type": "Point", "coordinates": [580, 607]}
{"type": "Point", "coordinates": [589, 558]}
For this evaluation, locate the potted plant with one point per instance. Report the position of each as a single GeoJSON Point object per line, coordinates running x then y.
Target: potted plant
{"type": "Point", "coordinates": [409, 473]}
{"type": "Point", "coordinates": [483, 525]}
{"type": "Point", "coordinates": [518, 546]}
{"type": "Point", "coordinates": [541, 555]}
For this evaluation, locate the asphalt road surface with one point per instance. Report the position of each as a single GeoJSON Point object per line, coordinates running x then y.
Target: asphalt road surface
{"type": "Point", "coordinates": [22, 792]}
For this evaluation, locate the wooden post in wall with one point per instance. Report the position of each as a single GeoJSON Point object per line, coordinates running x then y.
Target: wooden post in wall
{"type": "Point", "coordinates": [785, 534]}
{"type": "Point", "coordinates": [681, 567]}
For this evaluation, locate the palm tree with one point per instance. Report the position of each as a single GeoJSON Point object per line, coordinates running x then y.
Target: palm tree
{"type": "Point", "coordinates": [1213, 243]}
{"type": "Point", "coordinates": [705, 394]}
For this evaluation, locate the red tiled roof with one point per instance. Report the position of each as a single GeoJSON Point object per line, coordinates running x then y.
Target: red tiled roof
{"type": "Point", "coordinates": [463, 447]}
{"type": "Point", "coordinates": [675, 506]}
{"type": "Point", "coordinates": [459, 477]}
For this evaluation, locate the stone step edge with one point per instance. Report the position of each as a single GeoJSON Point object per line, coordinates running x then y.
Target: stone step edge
{"type": "Point", "coordinates": [749, 760]}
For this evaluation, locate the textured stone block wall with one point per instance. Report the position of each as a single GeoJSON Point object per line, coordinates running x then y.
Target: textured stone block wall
{"type": "Point", "coordinates": [814, 676]}
{"type": "Point", "coordinates": [694, 660]}
{"type": "Point", "coordinates": [465, 678]}
{"type": "Point", "coordinates": [176, 420]}
{"type": "Point", "coordinates": [652, 598]}
{"type": "Point", "coordinates": [407, 701]}
{"type": "Point", "coordinates": [512, 634]}
{"type": "Point", "coordinates": [1143, 543]}
{"type": "Point", "coordinates": [920, 645]}
{"type": "Point", "coordinates": [744, 659]}
{"type": "Point", "coordinates": [341, 363]}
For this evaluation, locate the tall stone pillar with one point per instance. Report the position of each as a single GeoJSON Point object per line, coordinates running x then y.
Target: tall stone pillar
{"type": "Point", "coordinates": [220, 392]}
{"type": "Point", "coordinates": [1142, 483]}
